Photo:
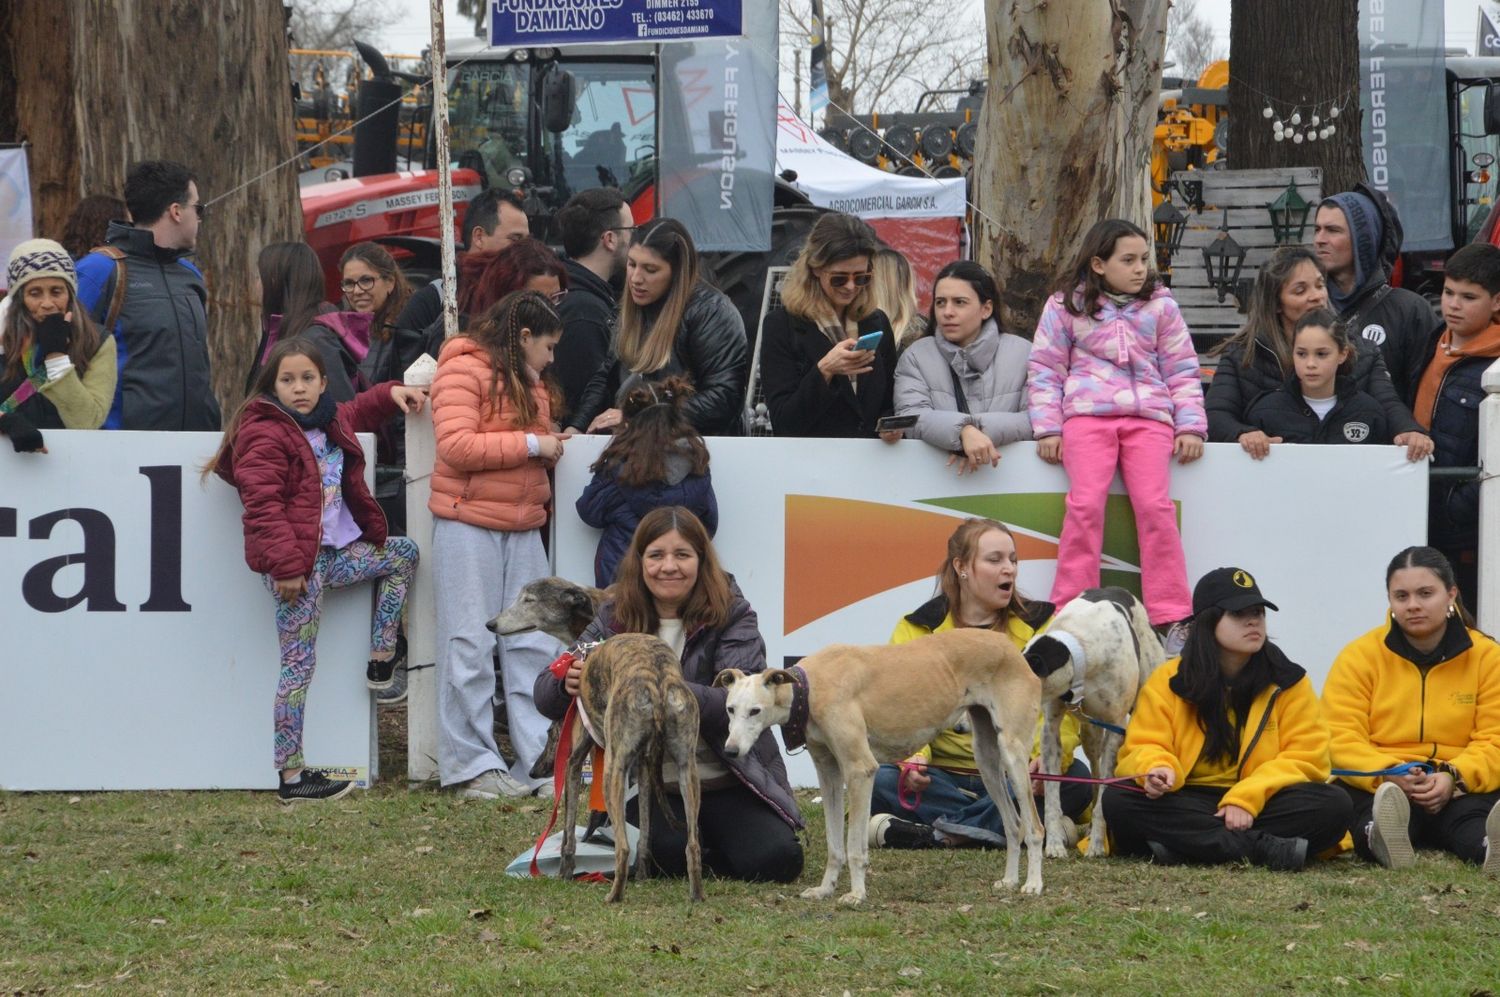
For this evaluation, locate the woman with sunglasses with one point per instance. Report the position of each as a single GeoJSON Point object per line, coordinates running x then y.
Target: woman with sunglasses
{"type": "Point", "coordinates": [964, 379]}
{"type": "Point", "coordinates": [671, 323]}
{"type": "Point", "coordinates": [817, 379]}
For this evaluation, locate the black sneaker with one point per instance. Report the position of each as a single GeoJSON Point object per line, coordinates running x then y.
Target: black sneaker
{"type": "Point", "coordinates": [380, 674]}
{"type": "Point", "coordinates": [1281, 854]}
{"type": "Point", "coordinates": [1162, 855]}
{"type": "Point", "coordinates": [395, 693]}
{"type": "Point", "coordinates": [887, 831]}
{"type": "Point", "coordinates": [313, 785]}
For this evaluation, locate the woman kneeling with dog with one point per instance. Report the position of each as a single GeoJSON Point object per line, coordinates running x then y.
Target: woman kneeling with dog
{"type": "Point", "coordinates": [670, 584]}
{"type": "Point", "coordinates": [936, 796]}
{"type": "Point", "coordinates": [1229, 745]}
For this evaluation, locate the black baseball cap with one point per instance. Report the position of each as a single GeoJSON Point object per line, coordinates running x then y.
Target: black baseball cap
{"type": "Point", "coordinates": [1229, 589]}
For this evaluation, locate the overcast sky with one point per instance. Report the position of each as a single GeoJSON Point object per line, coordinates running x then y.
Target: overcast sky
{"type": "Point", "coordinates": [410, 32]}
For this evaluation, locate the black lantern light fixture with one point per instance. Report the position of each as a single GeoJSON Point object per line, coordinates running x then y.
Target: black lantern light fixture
{"type": "Point", "coordinates": [1288, 215]}
{"type": "Point", "coordinates": [1169, 222]}
{"type": "Point", "coordinates": [1222, 260]}
{"type": "Point", "coordinates": [1192, 193]}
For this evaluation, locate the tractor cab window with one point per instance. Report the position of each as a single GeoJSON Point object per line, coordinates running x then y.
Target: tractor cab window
{"type": "Point", "coordinates": [1477, 182]}
{"type": "Point", "coordinates": [613, 133]}
{"type": "Point", "coordinates": [487, 105]}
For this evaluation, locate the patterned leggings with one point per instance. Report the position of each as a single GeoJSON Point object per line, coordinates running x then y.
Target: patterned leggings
{"type": "Point", "coordinates": [297, 624]}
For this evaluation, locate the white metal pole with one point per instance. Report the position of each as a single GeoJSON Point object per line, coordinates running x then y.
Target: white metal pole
{"type": "Point", "coordinates": [1488, 610]}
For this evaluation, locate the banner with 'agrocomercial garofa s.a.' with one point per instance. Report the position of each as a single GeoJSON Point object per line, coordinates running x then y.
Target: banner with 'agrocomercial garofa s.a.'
{"type": "Point", "coordinates": [558, 22]}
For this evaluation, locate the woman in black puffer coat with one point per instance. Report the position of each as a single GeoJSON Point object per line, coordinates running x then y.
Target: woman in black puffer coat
{"type": "Point", "coordinates": [1257, 360]}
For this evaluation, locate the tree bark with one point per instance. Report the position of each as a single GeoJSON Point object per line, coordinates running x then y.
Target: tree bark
{"type": "Point", "coordinates": [1064, 136]}
{"type": "Point", "coordinates": [101, 84]}
{"type": "Point", "coordinates": [1312, 67]}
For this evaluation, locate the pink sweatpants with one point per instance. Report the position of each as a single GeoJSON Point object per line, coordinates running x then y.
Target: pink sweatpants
{"type": "Point", "coordinates": [1142, 449]}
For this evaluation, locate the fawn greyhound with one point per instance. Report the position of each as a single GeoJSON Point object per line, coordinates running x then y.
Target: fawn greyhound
{"type": "Point", "coordinates": [631, 686]}
{"type": "Point", "coordinates": [863, 704]}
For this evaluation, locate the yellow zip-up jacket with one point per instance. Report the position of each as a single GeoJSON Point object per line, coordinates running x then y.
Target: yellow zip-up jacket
{"type": "Point", "coordinates": [953, 749]}
{"type": "Point", "coordinates": [1383, 709]}
{"type": "Point", "coordinates": [1284, 741]}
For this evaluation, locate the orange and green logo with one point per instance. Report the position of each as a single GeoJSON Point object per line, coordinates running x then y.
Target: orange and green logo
{"type": "Point", "coordinates": [840, 551]}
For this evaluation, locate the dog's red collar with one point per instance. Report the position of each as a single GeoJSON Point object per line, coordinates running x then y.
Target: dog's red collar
{"type": "Point", "coordinates": [794, 731]}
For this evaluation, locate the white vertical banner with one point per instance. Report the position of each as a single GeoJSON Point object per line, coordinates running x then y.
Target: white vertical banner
{"type": "Point", "coordinates": [15, 202]}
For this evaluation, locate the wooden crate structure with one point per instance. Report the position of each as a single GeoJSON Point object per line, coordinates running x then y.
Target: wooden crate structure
{"type": "Point", "coordinates": [1244, 194]}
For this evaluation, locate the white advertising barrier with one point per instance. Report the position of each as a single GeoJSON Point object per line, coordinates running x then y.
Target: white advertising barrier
{"type": "Point", "coordinates": [139, 651]}
{"type": "Point", "coordinates": [835, 540]}
{"type": "Point", "coordinates": [836, 180]}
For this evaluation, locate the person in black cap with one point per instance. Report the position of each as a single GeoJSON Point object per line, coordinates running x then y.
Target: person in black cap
{"type": "Point", "coordinates": [1228, 745]}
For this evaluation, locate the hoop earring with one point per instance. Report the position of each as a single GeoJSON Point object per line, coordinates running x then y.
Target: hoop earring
{"type": "Point", "coordinates": [964, 575]}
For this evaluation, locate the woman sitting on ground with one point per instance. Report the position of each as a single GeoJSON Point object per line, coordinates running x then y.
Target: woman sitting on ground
{"type": "Point", "coordinates": [816, 382]}
{"type": "Point", "coordinates": [946, 802]}
{"type": "Point", "coordinates": [1229, 746]}
{"type": "Point", "coordinates": [1258, 359]}
{"type": "Point", "coordinates": [965, 380]}
{"type": "Point", "coordinates": [1423, 687]}
{"type": "Point", "coordinates": [670, 584]}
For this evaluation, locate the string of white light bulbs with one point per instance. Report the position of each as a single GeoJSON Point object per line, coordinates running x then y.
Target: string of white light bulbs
{"type": "Point", "coordinates": [1298, 129]}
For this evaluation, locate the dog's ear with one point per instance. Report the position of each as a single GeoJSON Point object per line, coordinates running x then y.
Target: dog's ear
{"type": "Point", "coordinates": [778, 676]}
{"type": "Point", "coordinates": [1046, 655]}
{"type": "Point", "coordinates": [580, 608]}
{"type": "Point", "coordinates": [727, 678]}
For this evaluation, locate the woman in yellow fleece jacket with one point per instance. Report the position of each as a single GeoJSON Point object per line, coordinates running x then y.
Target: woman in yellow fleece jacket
{"type": "Point", "coordinates": [1229, 745]}
{"type": "Point", "coordinates": [1424, 688]}
{"type": "Point", "coordinates": [977, 588]}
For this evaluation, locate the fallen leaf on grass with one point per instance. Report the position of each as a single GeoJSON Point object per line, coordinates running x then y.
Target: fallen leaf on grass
{"type": "Point", "coordinates": [965, 908]}
{"type": "Point", "coordinates": [420, 912]}
{"type": "Point", "coordinates": [1341, 981]}
{"type": "Point", "coordinates": [479, 913]}
{"type": "Point", "coordinates": [352, 935]}
{"type": "Point", "coordinates": [75, 799]}
{"type": "Point", "coordinates": [158, 920]}
{"type": "Point", "coordinates": [1360, 945]}
{"type": "Point", "coordinates": [1201, 914]}
{"type": "Point", "coordinates": [423, 849]}
{"type": "Point", "coordinates": [911, 972]}
{"type": "Point", "coordinates": [248, 854]}
{"type": "Point", "coordinates": [31, 856]}
{"type": "Point", "coordinates": [487, 936]}
{"type": "Point", "coordinates": [548, 921]}
{"type": "Point", "coordinates": [1290, 946]}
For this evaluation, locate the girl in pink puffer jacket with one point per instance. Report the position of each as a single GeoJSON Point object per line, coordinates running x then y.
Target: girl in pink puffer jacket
{"type": "Point", "coordinates": [1114, 382]}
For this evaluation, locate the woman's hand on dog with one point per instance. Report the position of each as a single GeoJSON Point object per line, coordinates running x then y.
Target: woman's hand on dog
{"type": "Point", "coordinates": [914, 777]}
{"type": "Point", "coordinates": [570, 680]}
{"type": "Point", "coordinates": [1159, 780]}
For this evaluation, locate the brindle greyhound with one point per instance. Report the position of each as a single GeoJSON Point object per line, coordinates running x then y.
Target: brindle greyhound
{"type": "Point", "coordinates": [864, 704]}
{"type": "Point", "coordinates": [632, 687]}
{"type": "Point", "coordinates": [1103, 643]}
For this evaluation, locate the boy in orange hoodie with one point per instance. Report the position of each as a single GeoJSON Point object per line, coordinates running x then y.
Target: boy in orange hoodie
{"type": "Point", "coordinates": [1447, 402]}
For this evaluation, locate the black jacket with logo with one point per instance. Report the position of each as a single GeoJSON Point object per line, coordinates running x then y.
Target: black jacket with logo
{"type": "Point", "coordinates": [1356, 417]}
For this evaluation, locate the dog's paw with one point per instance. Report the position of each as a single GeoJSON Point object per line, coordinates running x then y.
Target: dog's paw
{"type": "Point", "coordinates": [816, 893]}
{"type": "Point", "coordinates": [1008, 885]}
{"type": "Point", "coordinates": [1096, 850]}
{"type": "Point", "coordinates": [1032, 888]}
{"type": "Point", "coordinates": [851, 899]}
{"type": "Point", "coordinates": [1056, 850]}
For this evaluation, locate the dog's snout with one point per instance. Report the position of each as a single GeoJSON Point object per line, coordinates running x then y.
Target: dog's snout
{"type": "Point", "coordinates": [730, 751]}
{"type": "Point", "coordinates": [490, 626]}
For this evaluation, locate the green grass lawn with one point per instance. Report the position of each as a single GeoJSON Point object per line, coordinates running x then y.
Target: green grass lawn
{"type": "Point", "coordinates": [400, 891]}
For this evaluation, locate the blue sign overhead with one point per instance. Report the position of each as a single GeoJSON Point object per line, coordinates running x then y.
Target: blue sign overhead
{"type": "Point", "coordinates": [520, 23]}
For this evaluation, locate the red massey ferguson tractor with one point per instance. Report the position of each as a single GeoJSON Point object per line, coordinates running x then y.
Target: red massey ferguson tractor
{"type": "Point", "coordinates": [547, 122]}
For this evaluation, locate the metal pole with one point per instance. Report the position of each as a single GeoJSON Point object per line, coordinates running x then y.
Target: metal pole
{"type": "Point", "coordinates": [439, 55]}
{"type": "Point", "coordinates": [1488, 597]}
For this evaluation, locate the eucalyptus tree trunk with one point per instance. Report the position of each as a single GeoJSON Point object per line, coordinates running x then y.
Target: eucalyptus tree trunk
{"type": "Point", "coordinates": [100, 84]}
{"type": "Point", "coordinates": [1064, 137]}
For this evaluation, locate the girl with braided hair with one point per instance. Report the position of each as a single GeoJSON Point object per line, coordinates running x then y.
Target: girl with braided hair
{"type": "Point", "coordinates": [655, 459]}
{"type": "Point", "coordinates": [492, 414]}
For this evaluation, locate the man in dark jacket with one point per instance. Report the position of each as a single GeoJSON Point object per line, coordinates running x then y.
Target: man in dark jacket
{"type": "Point", "coordinates": [595, 226]}
{"type": "Point", "coordinates": [1357, 236]}
{"type": "Point", "coordinates": [494, 220]}
{"type": "Point", "coordinates": [153, 301]}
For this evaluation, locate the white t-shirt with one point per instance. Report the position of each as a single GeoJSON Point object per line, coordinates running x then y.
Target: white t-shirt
{"type": "Point", "coordinates": [710, 768]}
{"type": "Point", "coordinates": [1321, 406]}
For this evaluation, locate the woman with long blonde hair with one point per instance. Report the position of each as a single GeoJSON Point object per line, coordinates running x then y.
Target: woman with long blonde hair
{"type": "Point", "coordinates": [671, 322]}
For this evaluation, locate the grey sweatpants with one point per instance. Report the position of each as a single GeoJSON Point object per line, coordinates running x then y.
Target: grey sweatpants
{"type": "Point", "coordinates": [476, 573]}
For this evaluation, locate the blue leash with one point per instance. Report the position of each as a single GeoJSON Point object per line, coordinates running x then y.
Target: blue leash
{"type": "Point", "coordinates": [1406, 768]}
{"type": "Point", "coordinates": [1113, 728]}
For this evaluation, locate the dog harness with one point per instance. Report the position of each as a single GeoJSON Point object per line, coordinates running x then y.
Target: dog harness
{"type": "Point", "coordinates": [1074, 696]}
{"type": "Point", "coordinates": [794, 731]}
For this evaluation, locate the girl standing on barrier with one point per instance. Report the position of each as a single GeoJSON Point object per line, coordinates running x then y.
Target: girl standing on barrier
{"type": "Point", "coordinates": [1114, 383]}
{"type": "Point", "coordinates": [310, 524]}
{"type": "Point", "coordinates": [656, 459]}
{"type": "Point", "coordinates": [1320, 402]}
{"type": "Point", "coordinates": [492, 418]}
{"type": "Point", "coordinates": [936, 796]}
{"type": "Point", "coordinates": [56, 372]}
{"type": "Point", "coordinates": [1228, 745]}
{"type": "Point", "coordinates": [965, 380]}
{"type": "Point", "coordinates": [1423, 688]}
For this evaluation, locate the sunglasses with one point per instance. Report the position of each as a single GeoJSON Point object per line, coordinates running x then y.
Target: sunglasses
{"type": "Point", "coordinates": [363, 283]}
{"type": "Point", "coordinates": [200, 208]}
{"type": "Point", "coordinates": [840, 279]}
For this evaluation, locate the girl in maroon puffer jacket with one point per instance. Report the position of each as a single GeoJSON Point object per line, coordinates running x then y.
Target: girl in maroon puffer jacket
{"type": "Point", "coordinates": [310, 523]}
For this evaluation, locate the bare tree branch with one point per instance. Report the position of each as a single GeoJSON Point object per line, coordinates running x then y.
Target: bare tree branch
{"type": "Point", "coordinates": [1190, 40]}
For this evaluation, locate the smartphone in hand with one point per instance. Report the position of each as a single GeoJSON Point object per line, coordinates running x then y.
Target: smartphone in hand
{"type": "Point", "coordinates": [893, 423]}
{"type": "Point", "coordinates": [869, 340]}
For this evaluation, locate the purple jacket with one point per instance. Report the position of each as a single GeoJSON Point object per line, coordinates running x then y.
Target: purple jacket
{"type": "Point", "coordinates": [738, 644]}
{"type": "Point", "coordinates": [1136, 360]}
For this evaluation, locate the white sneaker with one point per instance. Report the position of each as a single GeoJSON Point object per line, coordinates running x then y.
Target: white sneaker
{"type": "Point", "coordinates": [1389, 838]}
{"type": "Point", "coordinates": [878, 824]}
{"type": "Point", "coordinates": [492, 785]}
{"type": "Point", "coordinates": [1492, 842]}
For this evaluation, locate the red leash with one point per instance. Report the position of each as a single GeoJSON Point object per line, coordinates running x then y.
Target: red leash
{"type": "Point", "coordinates": [559, 669]}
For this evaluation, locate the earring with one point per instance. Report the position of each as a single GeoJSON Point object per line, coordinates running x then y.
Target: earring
{"type": "Point", "coordinates": [1452, 609]}
{"type": "Point", "coordinates": [964, 575]}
